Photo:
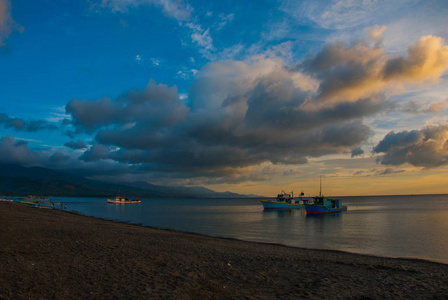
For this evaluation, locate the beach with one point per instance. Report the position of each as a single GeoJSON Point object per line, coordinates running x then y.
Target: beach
{"type": "Point", "coordinates": [47, 253]}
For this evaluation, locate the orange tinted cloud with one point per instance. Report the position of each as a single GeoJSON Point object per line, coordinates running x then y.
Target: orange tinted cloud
{"type": "Point", "coordinates": [348, 74]}
{"type": "Point", "coordinates": [428, 59]}
{"type": "Point", "coordinates": [437, 106]}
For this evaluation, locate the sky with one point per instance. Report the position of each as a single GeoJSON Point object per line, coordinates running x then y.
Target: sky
{"type": "Point", "coordinates": [252, 97]}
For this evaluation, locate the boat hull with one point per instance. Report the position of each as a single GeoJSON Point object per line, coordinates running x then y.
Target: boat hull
{"type": "Point", "coordinates": [268, 204]}
{"type": "Point", "coordinates": [321, 209]}
{"type": "Point", "coordinates": [112, 201]}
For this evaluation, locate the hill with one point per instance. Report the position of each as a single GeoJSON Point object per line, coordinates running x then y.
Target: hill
{"type": "Point", "coordinates": [16, 180]}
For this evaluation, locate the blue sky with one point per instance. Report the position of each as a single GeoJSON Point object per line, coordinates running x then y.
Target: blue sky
{"type": "Point", "coordinates": [250, 97]}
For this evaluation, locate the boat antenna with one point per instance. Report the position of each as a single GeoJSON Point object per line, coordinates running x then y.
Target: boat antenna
{"type": "Point", "coordinates": [320, 190]}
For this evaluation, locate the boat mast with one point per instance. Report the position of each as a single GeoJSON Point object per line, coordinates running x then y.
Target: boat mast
{"type": "Point", "coordinates": [320, 190]}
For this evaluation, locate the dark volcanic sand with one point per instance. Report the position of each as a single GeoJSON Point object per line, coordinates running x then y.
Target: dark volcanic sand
{"type": "Point", "coordinates": [47, 254]}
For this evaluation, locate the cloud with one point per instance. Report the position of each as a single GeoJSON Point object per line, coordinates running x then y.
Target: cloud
{"type": "Point", "coordinates": [22, 125]}
{"type": "Point", "coordinates": [427, 147]}
{"type": "Point", "coordinates": [242, 114]}
{"type": "Point", "coordinates": [347, 15]}
{"type": "Point", "coordinates": [176, 9]}
{"type": "Point", "coordinates": [427, 59]}
{"type": "Point", "coordinates": [419, 107]}
{"type": "Point", "coordinates": [179, 10]}
{"type": "Point", "coordinates": [388, 171]}
{"type": "Point", "coordinates": [357, 151]}
{"type": "Point", "coordinates": [360, 70]}
{"type": "Point", "coordinates": [376, 33]}
{"type": "Point", "coordinates": [59, 158]}
{"type": "Point", "coordinates": [156, 105]}
{"type": "Point", "coordinates": [437, 106]}
{"type": "Point", "coordinates": [17, 151]}
{"type": "Point", "coordinates": [97, 152]}
{"type": "Point", "coordinates": [201, 37]}
{"type": "Point", "coordinates": [223, 20]}
{"type": "Point", "coordinates": [76, 145]}
{"type": "Point", "coordinates": [292, 172]}
{"type": "Point", "coordinates": [342, 14]}
{"type": "Point", "coordinates": [238, 114]}
{"type": "Point", "coordinates": [7, 24]}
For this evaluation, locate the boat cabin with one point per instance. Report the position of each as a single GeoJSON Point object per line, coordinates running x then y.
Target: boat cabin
{"type": "Point", "coordinates": [284, 197]}
{"type": "Point", "coordinates": [328, 202]}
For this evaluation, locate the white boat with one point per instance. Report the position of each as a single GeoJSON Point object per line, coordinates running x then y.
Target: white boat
{"type": "Point", "coordinates": [122, 200]}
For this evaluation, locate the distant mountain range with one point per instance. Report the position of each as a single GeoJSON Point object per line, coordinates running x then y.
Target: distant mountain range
{"type": "Point", "coordinates": [16, 180]}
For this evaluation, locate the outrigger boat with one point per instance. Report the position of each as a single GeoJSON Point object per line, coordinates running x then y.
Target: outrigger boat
{"type": "Point", "coordinates": [324, 205]}
{"type": "Point", "coordinates": [122, 200]}
{"type": "Point", "coordinates": [285, 201]}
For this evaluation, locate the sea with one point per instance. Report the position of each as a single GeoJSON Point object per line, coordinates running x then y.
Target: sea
{"type": "Point", "coordinates": [390, 226]}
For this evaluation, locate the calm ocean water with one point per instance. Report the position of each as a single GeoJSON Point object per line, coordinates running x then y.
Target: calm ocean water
{"type": "Point", "coordinates": [393, 226]}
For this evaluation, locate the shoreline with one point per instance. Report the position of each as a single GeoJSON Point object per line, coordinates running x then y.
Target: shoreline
{"type": "Point", "coordinates": [258, 242]}
{"type": "Point", "coordinates": [255, 242]}
{"type": "Point", "coordinates": [63, 254]}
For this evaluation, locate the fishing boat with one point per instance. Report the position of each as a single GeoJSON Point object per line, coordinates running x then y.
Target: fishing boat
{"type": "Point", "coordinates": [285, 201]}
{"type": "Point", "coordinates": [34, 198]}
{"type": "Point", "coordinates": [324, 205]}
{"type": "Point", "coordinates": [122, 200]}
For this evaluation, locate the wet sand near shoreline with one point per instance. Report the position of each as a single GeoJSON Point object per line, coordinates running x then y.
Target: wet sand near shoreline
{"type": "Point", "coordinates": [47, 253]}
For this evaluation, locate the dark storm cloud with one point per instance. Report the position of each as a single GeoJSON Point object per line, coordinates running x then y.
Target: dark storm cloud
{"type": "Point", "coordinates": [218, 141]}
{"type": "Point", "coordinates": [96, 152]}
{"type": "Point", "coordinates": [22, 125]}
{"type": "Point", "coordinates": [76, 145]}
{"type": "Point", "coordinates": [90, 115]}
{"type": "Point", "coordinates": [58, 158]}
{"type": "Point", "coordinates": [241, 114]}
{"type": "Point", "coordinates": [357, 151]}
{"type": "Point", "coordinates": [422, 148]}
{"type": "Point", "coordinates": [157, 105]}
{"type": "Point", "coordinates": [16, 151]}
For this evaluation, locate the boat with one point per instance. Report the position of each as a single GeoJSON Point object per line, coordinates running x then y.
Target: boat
{"type": "Point", "coordinates": [30, 203]}
{"type": "Point", "coordinates": [122, 200]}
{"type": "Point", "coordinates": [324, 205]}
{"type": "Point", "coordinates": [285, 201]}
